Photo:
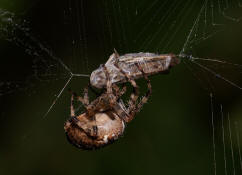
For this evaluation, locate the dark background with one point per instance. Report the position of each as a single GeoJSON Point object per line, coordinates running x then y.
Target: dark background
{"type": "Point", "coordinates": [171, 135]}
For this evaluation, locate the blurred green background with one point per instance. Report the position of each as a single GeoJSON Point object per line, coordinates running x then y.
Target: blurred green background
{"type": "Point", "coordinates": [171, 135]}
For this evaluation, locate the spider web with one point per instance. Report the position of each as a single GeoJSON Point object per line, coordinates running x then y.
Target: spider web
{"type": "Point", "coordinates": [184, 28]}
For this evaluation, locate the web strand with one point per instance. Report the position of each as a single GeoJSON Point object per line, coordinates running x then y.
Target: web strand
{"type": "Point", "coordinates": [223, 137]}
{"type": "Point", "coordinates": [238, 143]}
{"type": "Point", "coordinates": [217, 75]}
{"type": "Point", "coordinates": [231, 146]}
{"type": "Point", "coordinates": [214, 60]}
{"type": "Point", "coordinates": [163, 21]}
{"type": "Point", "coordinates": [192, 29]}
{"type": "Point", "coordinates": [213, 135]}
{"type": "Point", "coordinates": [58, 96]}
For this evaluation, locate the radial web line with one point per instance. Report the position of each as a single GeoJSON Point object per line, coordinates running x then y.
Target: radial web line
{"type": "Point", "coordinates": [163, 21]}
{"type": "Point", "coordinates": [146, 11]}
{"type": "Point", "coordinates": [194, 73]}
{"type": "Point", "coordinates": [201, 39]}
{"type": "Point", "coordinates": [80, 75]}
{"type": "Point", "coordinates": [84, 32]}
{"type": "Point", "coordinates": [174, 9]}
{"type": "Point", "coordinates": [227, 16]}
{"type": "Point", "coordinates": [211, 60]}
{"type": "Point", "coordinates": [58, 96]}
{"type": "Point", "coordinates": [238, 143]}
{"type": "Point", "coordinates": [108, 19]}
{"type": "Point", "coordinates": [48, 52]}
{"type": "Point", "coordinates": [165, 17]}
{"type": "Point", "coordinates": [212, 15]}
{"type": "Point", "coordinates": [231, 146]}
{"type": "Point", "coordinates": [104, 39]}
{"type": "Point", "coordinates": [117, 22]}
{"type": "Point", "coordinates": [80, 40]}
{"type": "Point", "coordinates": [213, 135]}
{"type": "Point", "coordinates": [180, 25]}
{"type": "Point", "coordinates": [192, 29]}
{"type": "Point", "coordinates": [217, 75]}
{"type": "Point", "coordinates": [79, 37]}
{"type": "Point", "coordinates": [60, 93]}
{"type": "Point", "coordinates": [210, 87]}
{"type": "Point", "coordinates": [122, 25]}
{"type": "Point", "coordinates": [223, 136]}
{"type": "Point", "coordinates": [150, 21]}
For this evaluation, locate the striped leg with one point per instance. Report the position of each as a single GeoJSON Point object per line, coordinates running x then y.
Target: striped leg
{"type": "Point", "coordinates": [134, 96]}
{"type": "Point", "coordinates": [72, 106]}
{"type": "Point", "coordinates": [84, 100]}
{"type": "Point", "coordinates": [135, 109]}
{"type": "Point", "coordinates": [109, 87]}
{"type": "Point", "coordinates": [148, 93]}
{"type": "Point", "coordinates": [119, 92]}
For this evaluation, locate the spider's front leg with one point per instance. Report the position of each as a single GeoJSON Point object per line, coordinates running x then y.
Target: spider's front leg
{"type": "Point", "coordinates": [119, 92]}
{"type": "Point", "coordinates": [134, 95]}
{"type": "Point", "coordinates": [90, 113]}
{"type": "Point", "coordinates": [84, 100]}
{"type": "Point", "coordinates": [133, 109]}
{"type": "Point", "coordinates": [90, 108]}
{"type": "Point", "coordinates": [148, 93]}
{"type": "Point", "coordinates": [109, 87]}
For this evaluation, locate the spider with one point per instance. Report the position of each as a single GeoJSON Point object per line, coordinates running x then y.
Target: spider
{"type": "Point", "coordinates": [105, 118]}
{"type": "Point", "coordinates": [150, 63]}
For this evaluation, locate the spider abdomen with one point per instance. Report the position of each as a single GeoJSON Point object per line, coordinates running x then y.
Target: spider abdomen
{"type": "Point", "coordinates": [91, 133]}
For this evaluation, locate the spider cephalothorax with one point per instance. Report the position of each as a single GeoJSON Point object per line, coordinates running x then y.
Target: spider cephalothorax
{"type": "Point", "coordinates": [105, 117]}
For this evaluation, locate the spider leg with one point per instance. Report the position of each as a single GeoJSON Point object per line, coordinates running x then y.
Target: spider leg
{"type": "Point", "coordinates": [148, 93]}
{"type": "Point", "coordinates": [85, 96]}
{"type": "Point", "coordinates": [72, 107]}
{"type": "Point", "coordinates": [134, 95]}
{"type": "Point", "coordinates": [91, 132]}
{"type": "Point", "coordinates": [90, 112]}
{"type": "Point", "coordinates": [84, 100]}
{"type": "Point", "coordinates": [116, 53]}
{"type": "Point", "coordinates": [119, 92]}
{"type": "Point", "coordinates": [133, 109]}
{"type": "Point", "coordinates": [109, 88]}
{"type": "Point", "coordinates": [94, 91]}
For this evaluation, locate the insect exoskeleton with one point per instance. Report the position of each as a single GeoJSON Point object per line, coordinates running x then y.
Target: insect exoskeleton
{"type": "Point", "coordinates": [92, 133]}
{"type": "Point", "coordinates": [150, 63]}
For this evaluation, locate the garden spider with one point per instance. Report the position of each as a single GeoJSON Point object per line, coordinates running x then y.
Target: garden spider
{"type": "Point", "coordinates": [105, 117]}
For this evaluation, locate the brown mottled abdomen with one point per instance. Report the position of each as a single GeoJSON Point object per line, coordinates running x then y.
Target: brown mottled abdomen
{"type": "Point", "coordinates": [87, 133]}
